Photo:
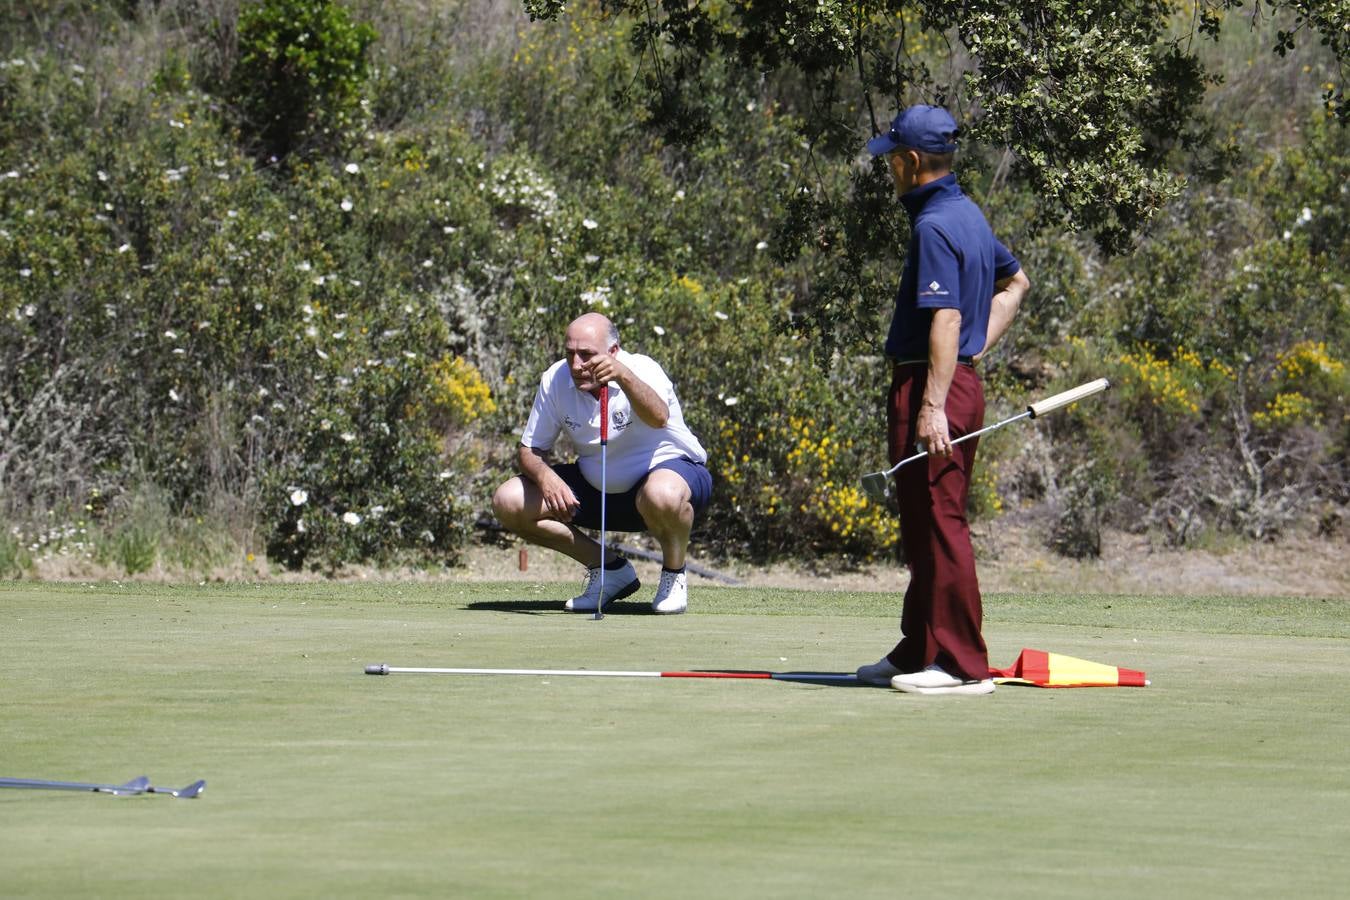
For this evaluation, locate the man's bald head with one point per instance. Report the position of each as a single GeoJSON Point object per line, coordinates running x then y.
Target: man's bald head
{"type": "Point", "coordinates": [594, 329]}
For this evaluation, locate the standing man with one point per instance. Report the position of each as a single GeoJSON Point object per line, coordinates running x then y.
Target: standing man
{"type": "Point", "coordinates": [655, 467]}
{"type": "Point", "coordinates": [959, 291]}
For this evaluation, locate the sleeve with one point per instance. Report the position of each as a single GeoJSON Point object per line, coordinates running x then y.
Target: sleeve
{"type": "Point", "coordinates": [542, 428]}
{"type": "Point", "coordinates": [938, 271]}
{"type": "Point", "coordinates": [651, 374]}
{"type": "Point", "coordinates": [1005, 264]}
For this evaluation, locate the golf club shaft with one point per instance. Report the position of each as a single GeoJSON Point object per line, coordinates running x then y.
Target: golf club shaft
{"type": "Point", "coordinates": [1040, 408]}
{"type": "Point", "coordinates": [965, 437]}
{"type": "Point", "coordinates": [135, 786]}
{"type": "Point", "coordinates": [604, 441]}
{"type": "Point", "coordinates": [139, 785]}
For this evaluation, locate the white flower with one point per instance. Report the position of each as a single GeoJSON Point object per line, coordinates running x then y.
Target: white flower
{"type": "Point", "coordinates": [679, 195]}
{"type": "Point", "coordinates": [353, 168]}
{"type": "Point", "coordinates": [346, 204]}
{"type": "Point", "coordinates": [25, 273]}
{"type": "Point", "coordinates": [173, 395]}
{"type": "Point", "coordinates": [449, 229]}
{"type": "Point", "coordinates": [325, 425]}
{"type": "Point", "coordinates": [445, 473]}
{"type": "Point", "coordinates": [718, 314]}
{"type": "Point", "coordinates": [171, 335]}
{"type": "Point", "coordinates": [322, 355]}
{"type": "Point", "coordinates": [304, 266]}
{"type": "Point", "coordinates": [102, 175]}
{"type": "Point", "coordinates": [300, 525]}
{"type": "Point", "coordinates": [590, 224]}
{"type": "Point", "coordinates": [124, 248]}
{"type": "Point", "coordinates": [299, 496]}
{"type": "Point", "coordinates": [762, 245]}
{"type": "Point", "coordinates": [348, 436]}
{"type": "Point", "coordinates": [1306, 215]}
{"type": "Point", "coordinates": [731, 401]}
{"type": "Point", "coordinates": [659, 330]}
{"type": "Point", "coordinates": [351, 518]}
{"type": "Point", "coordinates": [376, 511]}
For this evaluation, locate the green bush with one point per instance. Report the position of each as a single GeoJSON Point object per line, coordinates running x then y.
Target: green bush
{"type": "Point", "coordinates": [298, 80]}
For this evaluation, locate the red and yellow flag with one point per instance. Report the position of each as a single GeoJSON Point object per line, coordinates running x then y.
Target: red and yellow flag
{"type": "Point", "coordinates": [1041, 669]}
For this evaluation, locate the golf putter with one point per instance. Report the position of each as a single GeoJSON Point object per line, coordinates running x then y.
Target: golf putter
{"type": "Point", "coordinates": [604, 440]}
{"type": "Point", "coordinates": [877, 485]}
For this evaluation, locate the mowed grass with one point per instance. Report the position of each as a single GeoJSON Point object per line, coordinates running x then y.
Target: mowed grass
{"type": "Point", "coordinates": [1229, 776]}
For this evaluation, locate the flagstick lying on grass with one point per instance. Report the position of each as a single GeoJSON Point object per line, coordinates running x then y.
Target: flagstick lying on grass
{"type": "Point", "coordinates": [1036, 668]}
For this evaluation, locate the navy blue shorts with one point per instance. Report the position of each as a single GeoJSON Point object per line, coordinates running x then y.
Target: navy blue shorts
{"type": "Point", "coordinates": [621, 512]}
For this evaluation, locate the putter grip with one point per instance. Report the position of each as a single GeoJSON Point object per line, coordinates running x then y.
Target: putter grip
{"type": "Point", "coordinates": [381, 669]}
{"type": "Point", "coordinates": [1073, 395]}
{"type": "Point", "coordinates": [604, 412]}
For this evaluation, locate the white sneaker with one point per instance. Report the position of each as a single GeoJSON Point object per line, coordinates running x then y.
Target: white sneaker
{"type": "Point", "coordinates": [619, 583]}
{"type": "Point", "coordinates": [879, 673]}
{"type": "Point", "coordinates": [672, 594]}
{"type": "Point", "coordinates": [934, 680]}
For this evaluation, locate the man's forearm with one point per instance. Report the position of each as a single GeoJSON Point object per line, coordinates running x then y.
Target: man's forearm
{"type": "Point", "coordinates": [944, 335]}
{"type": "Point", "coordinates": [1003, 308]}
{"type": "Point", "coordinates": [532, 464]}
{"type": "Point", "coordinates": [647, 404]}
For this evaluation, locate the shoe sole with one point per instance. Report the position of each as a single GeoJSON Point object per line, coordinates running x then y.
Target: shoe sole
{"type": "Point", "coordinates": [669, 612]}
{"type": "Point", "coordinates": [626, 591]}
{"type": "Point", "coordinates": [969, 688]}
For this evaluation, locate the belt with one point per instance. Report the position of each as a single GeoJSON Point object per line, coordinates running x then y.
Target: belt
{"type": "Point", "coordinates": [960, 360]}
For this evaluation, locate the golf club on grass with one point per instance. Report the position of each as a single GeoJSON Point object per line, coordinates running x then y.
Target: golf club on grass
{"type": "Point", "coordinates": [604, 439]}
{"type": "Point", "coordinates": [877, 485]}
{"type": "Point", "coordinates": [133, 787]}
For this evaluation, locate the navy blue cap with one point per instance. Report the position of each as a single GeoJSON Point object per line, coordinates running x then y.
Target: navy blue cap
{"type": "Point", "coordinates": [928, 128]}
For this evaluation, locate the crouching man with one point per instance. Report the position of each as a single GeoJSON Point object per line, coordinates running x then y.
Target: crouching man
{"type": "Point", "coordinates": [656, 473]}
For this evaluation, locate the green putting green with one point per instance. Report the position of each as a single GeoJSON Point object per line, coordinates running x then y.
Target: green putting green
{"type": "Point", "coordinates": [1229, 776]}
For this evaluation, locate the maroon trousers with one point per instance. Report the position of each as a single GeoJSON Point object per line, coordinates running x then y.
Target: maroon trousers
{"type": "Point", "coordinates": [942, 614]}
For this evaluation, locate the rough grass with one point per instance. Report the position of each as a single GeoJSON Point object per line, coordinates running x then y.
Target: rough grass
{"type": "Point", "coordinates": [1230, 776]}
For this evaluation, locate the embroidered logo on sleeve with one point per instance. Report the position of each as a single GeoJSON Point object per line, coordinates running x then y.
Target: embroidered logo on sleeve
{"type": "Point", "coordinates": [934, 290]}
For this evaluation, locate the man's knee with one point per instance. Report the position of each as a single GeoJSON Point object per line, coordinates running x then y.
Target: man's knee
{"type": "Point", "coordinates": [508, 501]}
{"type": "Point", "coordinates": [663, 497]}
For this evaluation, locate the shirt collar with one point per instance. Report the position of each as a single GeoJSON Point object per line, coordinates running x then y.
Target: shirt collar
{"type": "Point", "coordinates": [917, 199]}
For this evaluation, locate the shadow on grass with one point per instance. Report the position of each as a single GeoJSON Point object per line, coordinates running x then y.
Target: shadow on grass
{"type": "Point", "coordinates": [539, 607]}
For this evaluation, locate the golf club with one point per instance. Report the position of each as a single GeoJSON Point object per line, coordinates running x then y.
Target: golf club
{"type": "Point", "coordinates": [604, 439]}
{"type": "Point", "coordinates": [133, 787]}
{"type": "Point", "coordinates": [877, 485]}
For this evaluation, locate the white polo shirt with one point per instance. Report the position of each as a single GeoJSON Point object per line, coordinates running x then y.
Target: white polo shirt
{"type": "Point", "coordinates": [635, 448]}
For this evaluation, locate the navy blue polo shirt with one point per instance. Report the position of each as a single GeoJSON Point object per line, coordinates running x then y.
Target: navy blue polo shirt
{"type": "Point", "coordinates": [953, 261]}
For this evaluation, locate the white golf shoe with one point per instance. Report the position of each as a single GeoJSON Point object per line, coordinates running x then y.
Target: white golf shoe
{"type": "Point", "coordinates": [879, 673]}
{"type": "Point", "coordinates": [935, 680]}
{"type": "Point", "coordinates": [672, 594]}
{"type": "Point", "coordinates": [619, 583]}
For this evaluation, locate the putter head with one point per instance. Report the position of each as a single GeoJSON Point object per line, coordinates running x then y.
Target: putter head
{"type": "Point", "coordinates": [131, 788]}
{"type": "Point", "coordinates": [877, 487]}
{"type": "Point", "coordinates": [192, 790]}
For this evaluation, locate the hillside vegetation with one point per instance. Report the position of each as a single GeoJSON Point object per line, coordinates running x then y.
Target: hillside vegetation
{"type": "Point", "coordinates": [279, 279]}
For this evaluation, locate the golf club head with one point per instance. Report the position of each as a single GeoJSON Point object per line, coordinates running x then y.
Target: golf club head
{"type": "Point", "coordinates": [192, 790]}
{"type": "Point", "coordinates": [877, 487]}
{"type": "Point", "coordinates": [134, 786]}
